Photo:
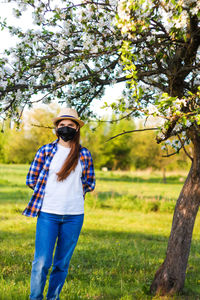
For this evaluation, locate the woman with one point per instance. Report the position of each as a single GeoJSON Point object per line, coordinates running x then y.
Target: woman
{"type": "Point", "coordinates": [61, 174]}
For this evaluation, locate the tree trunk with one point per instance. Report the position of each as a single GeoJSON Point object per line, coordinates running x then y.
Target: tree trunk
{"type": "Point", "coordinates": [170, 277]}
{"type": "Point", "coordinates": [164, 176]}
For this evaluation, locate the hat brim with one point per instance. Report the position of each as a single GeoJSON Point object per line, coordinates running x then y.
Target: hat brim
{"type": "Point", "coordinates": [55, 120]}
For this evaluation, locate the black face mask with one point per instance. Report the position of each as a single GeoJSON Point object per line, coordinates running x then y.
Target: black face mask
{"type": "Point", "coordinates": [66, 133]}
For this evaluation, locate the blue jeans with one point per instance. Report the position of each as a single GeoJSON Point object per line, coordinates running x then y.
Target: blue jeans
{"type": "Point", "coordinates": [66, 229]}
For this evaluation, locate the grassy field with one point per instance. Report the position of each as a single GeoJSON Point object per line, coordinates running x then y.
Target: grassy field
{"type": "Point", "coordinates": [123, 241]}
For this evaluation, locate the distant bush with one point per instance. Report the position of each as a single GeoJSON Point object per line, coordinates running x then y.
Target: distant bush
{"type": "Point", "coordinates": [127, 152]}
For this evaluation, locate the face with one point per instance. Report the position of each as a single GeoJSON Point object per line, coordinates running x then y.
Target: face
{"type": "Point", "coordinates": [68, 123]}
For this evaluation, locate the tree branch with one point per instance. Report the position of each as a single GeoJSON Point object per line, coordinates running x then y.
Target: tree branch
{"type": "Point", "coordinates": [90, 100]}
{"type": "Point", "coordinates": [42, 126]}
{"type": "Point", "coordinates": [168, 155]}
{"type": "Point", "coordinates": [115, 121]}
{"type": "Point", "coordinates": [183, 146]}
{"type": "Point", "coordinates": [130, 131]}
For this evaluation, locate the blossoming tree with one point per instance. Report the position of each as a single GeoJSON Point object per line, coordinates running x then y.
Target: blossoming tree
{"type": "Point", "coordinates": [76, 48]}
{"type": "Point", "coordinates": [70, 51]}
{"type": "Point", "coordinates": [162, 59]}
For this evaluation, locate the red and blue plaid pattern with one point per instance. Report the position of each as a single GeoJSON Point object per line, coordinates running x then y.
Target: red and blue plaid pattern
{"type": "Point", "coordinates": [38, 173]}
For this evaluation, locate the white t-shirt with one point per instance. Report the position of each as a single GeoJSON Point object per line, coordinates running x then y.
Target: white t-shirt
{"type": "Point", "coordinates": [63, 197]}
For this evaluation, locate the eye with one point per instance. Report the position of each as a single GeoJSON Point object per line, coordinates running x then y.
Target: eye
{"type": "Point", "coordinates": [71, 125]}
{"type": "Point", "coordinates": [61, 125]}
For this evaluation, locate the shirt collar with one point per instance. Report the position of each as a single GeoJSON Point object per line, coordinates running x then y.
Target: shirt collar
{"type": "Point", "coordinates": [56, 142]}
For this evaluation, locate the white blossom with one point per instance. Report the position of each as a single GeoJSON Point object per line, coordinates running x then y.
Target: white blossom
{"type": "Point", "coordinates": [195, 10]}
{"type": "Point", "coordinates": [23, 6]}
{"type": "Point", "coordinates": [114, 81]}
{"type": "Point", "coordinates": [149, 38]}
{"type": "Point", "coordinates": [18, 95]}
{"type": "Point", "coordinates": [15, 13]}
{"type": "Point", "coordinates": [63, 43]}
{"type": "Point", "coordinates": [8, 70]}
{"type": "Point", "coordinates": [73, 84]}
{"type": "Point", "coordinates": [37, 32]}
{"type": "Point", "coordinates": [183, 133]}
{"type": "Point", "coordinates": [182, 20]}
{"type": "Point", "coordinates": [173, 144]}
{"type": "Point", "coordinates": [31, 90]}
{"type": "Point", "coordinates": [188, 123]}
{"type": "Point", "coordinates": [179, 145]}
{"type": "Point", "coordinates": [3, 84]}
{"type": "Point", "coordinates": [95, 49]}
{"type": "Point", "coordinates": [186, 2]}
{"type": "Point", "coordinates": [177, 127]}
{"type": "Point", "coordinates": [161, 136]}
{"type": "Point", "coordinates": [57, 74]}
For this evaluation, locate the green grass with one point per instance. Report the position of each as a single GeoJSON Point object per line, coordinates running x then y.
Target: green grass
{"type": "Point", "coordinates": [123, 240]}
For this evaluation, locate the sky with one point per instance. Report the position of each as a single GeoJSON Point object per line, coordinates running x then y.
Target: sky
{"type": "Point", "coordinates": [112, 93]}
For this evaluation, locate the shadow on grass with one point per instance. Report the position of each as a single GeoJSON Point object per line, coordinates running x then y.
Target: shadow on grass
{"type": "Point", "coordinates": [102, 196]}
{"type": "Point", "coordinates": [6, 183]}
{"type": "Point", "coordinates": [15, 194]}
{"type": "Point", "coordinates": [169, 180]}
{"type": "Point", "coordinates": [17, 197]}
{"type": "Point", "coordinates": [100, 199]}
{"type": "Point", "coordinates": [113, 263]}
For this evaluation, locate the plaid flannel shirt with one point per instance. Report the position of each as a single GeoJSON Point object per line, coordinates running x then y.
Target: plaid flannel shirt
{"type": "Point", "coordinates": [38, 173]}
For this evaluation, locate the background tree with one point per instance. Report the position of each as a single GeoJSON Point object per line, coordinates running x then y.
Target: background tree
{"type": "Point", "coordinates": [73, 52]}
{"type": "Point", "coordinates": [127, 152]}
{"type": "Point", "coordinates": [117, 153]}
{"type": "Point", "coordinates": [3, 140]}
{"type": "Point", "coordinates": [93, 137]}
{"type": "Point", "coordinates": [18, 148]}
{"type": "Point", "coordinates": [40, 128]}
{"type": "Point", "coordinates": [19, 145]}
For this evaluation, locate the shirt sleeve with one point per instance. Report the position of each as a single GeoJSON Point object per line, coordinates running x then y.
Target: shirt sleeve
{"type": "Point", "coordinates": [35, 168]}
{"type": "Point", "coordinates": [89, 185]}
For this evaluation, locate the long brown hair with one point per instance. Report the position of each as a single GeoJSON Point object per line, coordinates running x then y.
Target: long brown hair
{"type": "Point", "coordinates": [72, 159]}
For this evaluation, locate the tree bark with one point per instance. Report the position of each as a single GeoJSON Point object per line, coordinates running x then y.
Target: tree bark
{"type": "Point", "coordinates": [164, 175]}
{"type": "Point", "coordinates": [170, 277]}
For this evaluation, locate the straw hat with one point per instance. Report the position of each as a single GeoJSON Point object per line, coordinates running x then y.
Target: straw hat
{"type": "Point", "coordinates": [68, 114]}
